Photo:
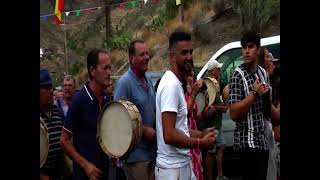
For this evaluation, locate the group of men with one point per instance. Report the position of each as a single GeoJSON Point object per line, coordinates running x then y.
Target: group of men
{"type": "Point", "coordinates": [164, 150]}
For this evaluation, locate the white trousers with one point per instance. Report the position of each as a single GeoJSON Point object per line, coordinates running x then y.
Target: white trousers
{"type": "Point", "coordinates": [182, 173]}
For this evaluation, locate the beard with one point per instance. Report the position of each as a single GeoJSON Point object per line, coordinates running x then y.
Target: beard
{"type": "Point", "coordinates": [186, 68]}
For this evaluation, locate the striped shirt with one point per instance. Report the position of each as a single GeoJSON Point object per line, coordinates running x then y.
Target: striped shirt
{"type": "Point", "coordinates": [249, 132]}
{"type": "Point", "coordinates": [54, 122]}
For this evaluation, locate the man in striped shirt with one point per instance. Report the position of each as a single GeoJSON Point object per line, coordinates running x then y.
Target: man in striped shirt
{"type": "Point", "coordinates": [53, 167]}
{"type": "Point", "coordinates": [249, 84]}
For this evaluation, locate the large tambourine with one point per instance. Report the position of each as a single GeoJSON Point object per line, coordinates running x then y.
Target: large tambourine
{"type": "Point", "coordinates": [119, 128]}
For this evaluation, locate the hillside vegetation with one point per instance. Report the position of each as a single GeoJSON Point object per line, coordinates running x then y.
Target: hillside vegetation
{"type": "Point", "coordinates": [212, 23]}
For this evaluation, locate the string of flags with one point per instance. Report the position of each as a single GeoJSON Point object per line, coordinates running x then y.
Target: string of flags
{"type": "Point", "coordinates": [60, 5]}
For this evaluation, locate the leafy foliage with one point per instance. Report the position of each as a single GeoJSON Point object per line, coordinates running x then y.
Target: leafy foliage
{"type": "Point", "coordinates": [117, 41]}
{"type": "Point", "coordinates": [254, 14]}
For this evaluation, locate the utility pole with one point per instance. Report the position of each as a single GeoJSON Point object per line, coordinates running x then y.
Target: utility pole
{"type": "Point", "coordinates": [65, 45]}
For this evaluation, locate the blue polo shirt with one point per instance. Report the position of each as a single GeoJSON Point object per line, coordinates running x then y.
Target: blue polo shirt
{"type": "Point", "coordinates": [81, 121]}
{"type": "Point", "coordinates": [129, 87]}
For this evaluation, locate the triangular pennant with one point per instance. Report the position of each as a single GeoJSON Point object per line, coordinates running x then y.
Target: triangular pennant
{"type": "Point", "coordinates": [178, 2]}
{"type": "Point", "coordinates": [78, 12]}
{"type": "Point", "coordinates": [145, 1]}
{"type": "Point", "coordinates": [88, 11]}
{"type": "Point", "coordinates": [67, 13]}
{"type": "Point", "coordinates": [133, 4]}
{"type": "Point", "coordinates": [140, 4]}
{"type": "Point", "coordinates": [44, 18]}
{"type": "Point", "coordinates": [121, 6]}
{"type": "Point", "coordinates": [99, 8]}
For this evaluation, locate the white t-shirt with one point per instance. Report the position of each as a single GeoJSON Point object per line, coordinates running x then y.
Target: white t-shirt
{"type": "Point", "coordinates": [170, 98]}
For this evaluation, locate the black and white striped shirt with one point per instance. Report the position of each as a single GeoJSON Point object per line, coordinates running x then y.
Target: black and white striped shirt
{"type": "Point", "coordinates": [54, 123]}
{"type": "Point", "coordinates": [249, 132]}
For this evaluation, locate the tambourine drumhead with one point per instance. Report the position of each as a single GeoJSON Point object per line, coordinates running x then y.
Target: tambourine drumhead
{"type": "Point", "coordinates": [201, 101]}
{"type": "Point", "coordinates": [116, 131]}
{"type": "Point", "coordinates": [44, 143]}
{"type": "Point", "coordinates": [211, 89]}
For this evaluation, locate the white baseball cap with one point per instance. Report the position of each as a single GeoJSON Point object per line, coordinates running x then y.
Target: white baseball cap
{"type": "Point", "coordinates": [214, 64]}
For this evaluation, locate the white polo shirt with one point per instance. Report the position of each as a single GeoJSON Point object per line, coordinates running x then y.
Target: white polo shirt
{"type": "Point", "coordinates": [170, 98]}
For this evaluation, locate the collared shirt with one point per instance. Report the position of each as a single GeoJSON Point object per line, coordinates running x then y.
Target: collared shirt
{"type": "Point", "coordinates": [63, 106]}
{"type": "Point", "coordinates": [130, 88]}
{"type": "Point", "coordinates": [249, 132]}
{"type": "Point", "coordinates": [54, 121]}
{"type": "Point", "coordinates": [81, 121]}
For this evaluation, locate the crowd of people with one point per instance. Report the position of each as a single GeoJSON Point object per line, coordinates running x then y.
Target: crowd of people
{"type": "Point", "coordinates": [178, 141]}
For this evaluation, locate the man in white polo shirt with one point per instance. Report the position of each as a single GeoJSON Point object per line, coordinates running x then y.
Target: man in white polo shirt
{"type": "Point", "coordinates": [174, 139]}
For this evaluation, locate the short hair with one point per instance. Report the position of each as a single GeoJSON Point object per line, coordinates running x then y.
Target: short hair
{"type": "Point", "coordinates": [250, 37]}
{"type": "Point", "coordinates": [178, 36]}
{"type": "Point", "coordinates": [92, 59]}
{"type": "Point", "coordinates": [131, 48]}
{"type": "Point", "coordinates": [69, 77]}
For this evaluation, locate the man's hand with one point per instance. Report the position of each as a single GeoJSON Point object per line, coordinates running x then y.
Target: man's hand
{"type": "Point", "coordinates": [207, 130]}
{"type": "Point", "coordinates": [207, 141]}
{"type": "Point", "coordinates": [196, 87]}
{"type": "Point", "coordinates": [260, 88]}
{"type": "Point", "coordinates": [92, 171]}
{"type": "Point", "coordinates": [149, 133]}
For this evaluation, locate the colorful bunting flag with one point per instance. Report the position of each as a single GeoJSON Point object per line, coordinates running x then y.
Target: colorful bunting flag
{"type": "Point", "coordinates": [121, 6]}
{"type": "Point", "coordinates": [44, 18]}
{"type": "Point", "coordinates": [78, 12]}
{"type": "Point", "coordinates": [140, 4]}
{"type": "Point", "coordinates": [88, 11]}
{"type": "Point", "coordinates": [67, 13]}
{"type": "Point", "coordinates": [133, 4]}
{"type": "Point", "coordinates": [58, 10]}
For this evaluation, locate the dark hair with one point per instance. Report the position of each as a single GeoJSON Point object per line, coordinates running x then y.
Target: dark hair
{"type": "Point", "coordinates": [250, 37]}
{"type": "Point", "coordinates": [184, 83]}
{"type": "Point", "coordinates": [92, 59]}
{"type": "Point", "coordinates": [131, 48]}
{"type": "Point", "coordinates": [178, 36]}
{"type": "Point", "coordinates": [261, 57]}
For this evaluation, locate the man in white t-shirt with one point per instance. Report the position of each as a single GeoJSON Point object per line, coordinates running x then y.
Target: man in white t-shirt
{"type": "Point", "coordinates": [174, 139]}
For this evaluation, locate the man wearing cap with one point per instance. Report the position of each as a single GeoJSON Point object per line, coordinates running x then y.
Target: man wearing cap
{"type": "Point", "coordinates": [89, 162]}
{"type": "Point", "coordinates": [137, 88]}
{"type": "Point", "coordinates": [214, 119]}
{"type": "Point", "coordinates": [53, 167]}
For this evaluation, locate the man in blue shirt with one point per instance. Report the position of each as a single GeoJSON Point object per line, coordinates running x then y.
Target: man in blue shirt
{"type": "Point", "coordinates": [137, 88]}
{"type": "Point", "coordinates": [81, 121]}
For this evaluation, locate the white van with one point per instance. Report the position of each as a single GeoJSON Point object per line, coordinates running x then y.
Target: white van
{"type": "Point", "coordinates": [231, 57]}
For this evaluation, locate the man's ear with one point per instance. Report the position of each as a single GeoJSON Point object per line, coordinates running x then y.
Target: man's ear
{"type": "Point", "coordinates": [171, 55]}
{"type": "Point", "coordinates": [91, 69]}
{"type": "Point", "coordinates": [130, 59]}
